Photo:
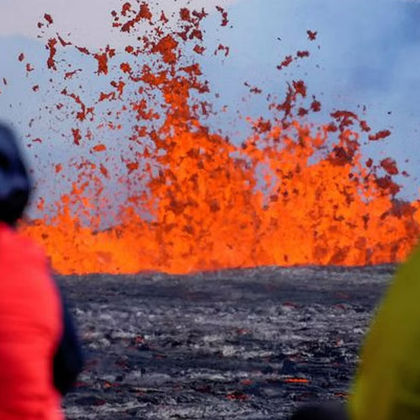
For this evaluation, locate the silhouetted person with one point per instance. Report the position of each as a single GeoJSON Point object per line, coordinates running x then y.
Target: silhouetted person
{"type": "Point", "coordinates": [39, 353]}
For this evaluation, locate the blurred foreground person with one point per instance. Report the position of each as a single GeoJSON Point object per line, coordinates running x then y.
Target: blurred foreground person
{"type": "Point", "coordinates": [39, 353]}
{"type": "Point", "coordinates": [387, 386]}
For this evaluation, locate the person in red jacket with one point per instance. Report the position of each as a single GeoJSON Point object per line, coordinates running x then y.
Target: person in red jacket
{"type": "Point", "coordinates": [36, 366]}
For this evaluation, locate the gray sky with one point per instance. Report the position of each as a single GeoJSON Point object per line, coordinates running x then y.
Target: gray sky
{"type": "Point", "coordinates": [369, 54]}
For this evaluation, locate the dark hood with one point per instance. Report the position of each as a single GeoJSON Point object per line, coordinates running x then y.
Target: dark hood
{"type": "Point", "coordinates": [15, 184]}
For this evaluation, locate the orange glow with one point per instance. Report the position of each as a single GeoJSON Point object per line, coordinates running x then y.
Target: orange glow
{"type": "Point", "coordinates": [291, 193]}
{"type": "Point", "coordinates": [296, 381]}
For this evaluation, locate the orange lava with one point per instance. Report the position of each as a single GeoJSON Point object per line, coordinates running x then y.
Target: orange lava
{"type": "Point", "coordinates": [292, 193]}
{"type": "Point", "coordinates": [296, 381]}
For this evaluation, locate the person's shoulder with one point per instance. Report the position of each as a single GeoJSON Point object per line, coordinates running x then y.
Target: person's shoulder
{"type": "Point", "coordinates": [17, 247]}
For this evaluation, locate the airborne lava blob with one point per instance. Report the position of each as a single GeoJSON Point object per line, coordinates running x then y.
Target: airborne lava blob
{"type": "Point", "coordinates": [292, 193]}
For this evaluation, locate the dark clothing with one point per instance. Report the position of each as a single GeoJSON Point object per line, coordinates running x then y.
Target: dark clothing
{"type": "Point", "coordinates": [321, 412]}
{"type": "Point", "coordinates": [68, 359]}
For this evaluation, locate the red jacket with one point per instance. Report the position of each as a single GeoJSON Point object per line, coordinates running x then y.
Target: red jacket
{"type": "Point", "coordinates": [30, 329]}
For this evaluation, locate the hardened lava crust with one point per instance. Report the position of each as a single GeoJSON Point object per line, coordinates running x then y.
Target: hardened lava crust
{"type": "Point", "coordinates": [236, 344]}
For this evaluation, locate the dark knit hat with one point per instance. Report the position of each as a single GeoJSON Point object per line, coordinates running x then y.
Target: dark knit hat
{"type": "Point", "coordinates": [15, 184]}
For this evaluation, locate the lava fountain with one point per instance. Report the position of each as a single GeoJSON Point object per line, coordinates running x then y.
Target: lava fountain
{"type": "Point", "coordinates": [292, 192]}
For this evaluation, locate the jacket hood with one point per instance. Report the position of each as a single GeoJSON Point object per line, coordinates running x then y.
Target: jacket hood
{"type": "Point", "coordinates": [15, 184]}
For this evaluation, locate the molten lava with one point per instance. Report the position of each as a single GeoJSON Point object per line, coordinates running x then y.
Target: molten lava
{"type": "Point", "coordinates": [292, 193]}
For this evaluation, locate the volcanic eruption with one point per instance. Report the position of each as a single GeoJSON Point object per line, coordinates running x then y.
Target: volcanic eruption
{"type": "Point", "coordinates": [292, 192]}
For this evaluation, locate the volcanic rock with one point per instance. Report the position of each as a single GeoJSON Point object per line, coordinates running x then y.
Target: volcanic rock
{"type": "Point", "coordinates": [237, 344]}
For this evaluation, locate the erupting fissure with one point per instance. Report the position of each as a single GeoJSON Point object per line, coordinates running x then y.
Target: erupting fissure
{"type": "Point", "coordinates": [294, 192]}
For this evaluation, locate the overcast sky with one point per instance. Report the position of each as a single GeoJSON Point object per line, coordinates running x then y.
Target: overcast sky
{"type": "Point", "coordinates": [369, 54]}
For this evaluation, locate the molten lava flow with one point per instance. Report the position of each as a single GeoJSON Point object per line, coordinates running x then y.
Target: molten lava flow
{"type": "Point", "coordinates": [291, 193]}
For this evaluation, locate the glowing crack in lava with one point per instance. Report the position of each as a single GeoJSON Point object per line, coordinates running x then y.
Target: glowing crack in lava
{"type": "Point", "coordinates": [293, 192]}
